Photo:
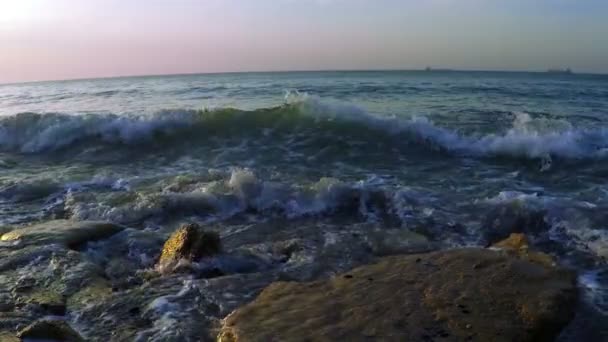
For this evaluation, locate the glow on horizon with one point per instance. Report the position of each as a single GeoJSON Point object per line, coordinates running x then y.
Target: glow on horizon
{"type": "Point", "coordinates": [62, 39]}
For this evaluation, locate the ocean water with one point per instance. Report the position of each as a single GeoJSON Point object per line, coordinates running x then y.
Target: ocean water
{"type": "Point", "coordinates": [383, 150]}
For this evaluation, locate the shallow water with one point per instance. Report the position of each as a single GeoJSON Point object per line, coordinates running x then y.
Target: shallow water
{"type": "Point", "coordinates": [255, 155]}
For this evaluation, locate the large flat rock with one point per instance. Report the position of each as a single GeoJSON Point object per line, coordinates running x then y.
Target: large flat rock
{"type": "Point", "coordinates": [454, 295]}
{"type": "Point", "coordinates": [70, 233]}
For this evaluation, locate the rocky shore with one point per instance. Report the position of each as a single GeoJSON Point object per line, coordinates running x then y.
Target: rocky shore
{"type": "Point", "coordinates": [456, 295]}
{"type": "Point", "coordinates": [200, 287]}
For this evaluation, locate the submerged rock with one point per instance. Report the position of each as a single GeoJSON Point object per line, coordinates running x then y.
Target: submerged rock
{"type": "Point", "coordinates": [72, 234]}
{"type": "Point", "coordinates": [39, 280]}
{"type": "Point", "coordinates": [169, 308]}
{"type": "Point", "coordinates": [505, 220]}
{"type": "Point", "coordinates": [398, 241]}
{"type": "Point", "coordinates": [49, 301]}
{"type": "Point", "coordinates": [94, 290]}
{"type": "Point", "coordinates": [455, 295]}
{"type": "Point", "coordinates": [50, 330]}
{"type": "Point", "coordinates": [6, 336]}
{"type": "Point", "coordinates": [189, 243]}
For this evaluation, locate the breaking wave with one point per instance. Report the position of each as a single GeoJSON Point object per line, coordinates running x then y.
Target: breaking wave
{"type": "Point", "coordinates": [241, 191]}
{"type": "Point", "coordinates": [528, 138]}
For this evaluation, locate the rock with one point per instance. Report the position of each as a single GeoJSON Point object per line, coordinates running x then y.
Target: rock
{"type": "Point", "coordinates": [6, 306]}
{"type": "Point", "coordinates": [5, 229]}
{"type": "Point", "coordinates": [168, 308]}
{"type": "Point", "coordinates": [120, 268]}
{"type": "Point", "coordinates": [49, 301]}
{"type": "Point", "coordinates": [397, 241]}
{"type": "Point", "coordinates": [50, 330]}
{"type": "Point", "coordinates": [96, 290]}
{"type": "Point", "coordinates": [517, 244]}
{"type": "Point", "coordinates": [286, 249]}
{"type": "Point", "coordinates": [505, 220]}
{"type": "Point", "coordinates": [422, 297]}
{"type": "Point", "coordinates": [189, 243]}
{"type": "Point", "coordinates": [6, 336]}
{"type": "Point", "coordinates": [72, 234]}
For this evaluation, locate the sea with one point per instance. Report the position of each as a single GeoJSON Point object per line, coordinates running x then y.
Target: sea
{"type": "Point", "coordinates": [312, 156]}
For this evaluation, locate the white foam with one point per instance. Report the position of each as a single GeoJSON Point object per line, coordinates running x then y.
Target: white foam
{"type": "Point", "coordinates": [529, 138]}
{"type": "Point", "coordinates": [239, 191]}
{"type": "Point", "coordinates": [595, 290]}
{"type": "Point", "coordinates": [32, 133]}
{"type": "Point", "coordinates": [168, 316]}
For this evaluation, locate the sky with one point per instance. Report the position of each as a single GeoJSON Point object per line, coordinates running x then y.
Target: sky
{"type": "Point", "coordinates": [65, 39]}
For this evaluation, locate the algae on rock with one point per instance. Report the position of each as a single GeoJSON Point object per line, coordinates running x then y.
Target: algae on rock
{"type": "Point", "coordinates": [190, 243]}
{"type": "Point", "coordinates": [517, 244]}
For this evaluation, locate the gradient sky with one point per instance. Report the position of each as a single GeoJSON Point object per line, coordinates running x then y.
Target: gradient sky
{"type": "Point", "coordinates": [61, 39]}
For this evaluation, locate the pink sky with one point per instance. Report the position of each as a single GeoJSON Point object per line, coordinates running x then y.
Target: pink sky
{"type": "Point", "coordinates": [62, 39]}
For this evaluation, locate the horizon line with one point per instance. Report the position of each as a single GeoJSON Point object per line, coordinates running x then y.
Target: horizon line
{"type": "Point", "coordinates": [425, 69]}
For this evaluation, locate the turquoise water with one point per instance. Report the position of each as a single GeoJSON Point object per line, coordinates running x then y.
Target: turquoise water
{"type": "Point", "coordinates": [384, 149]}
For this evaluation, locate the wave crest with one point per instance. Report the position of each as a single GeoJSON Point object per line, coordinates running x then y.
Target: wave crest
{"type": "Point", "coordinates": [527, 138]}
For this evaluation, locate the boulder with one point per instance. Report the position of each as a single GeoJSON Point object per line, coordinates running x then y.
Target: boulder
{"type": "Point", "coordinates": [455, 295]}
{"type": "Point", "coordinates": [50, 330]}
{"type": "Point", "coordinates": [73, 234]}
{"type": "Point", "coordinates": [190, 243]}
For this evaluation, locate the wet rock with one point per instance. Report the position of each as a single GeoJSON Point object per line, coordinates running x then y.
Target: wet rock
{"type": "Point", "coordinates": [133, 246]}
{"type": "Point", "coordinates": [240, 262]}
{"type": "Point", "coordinates": [120, 269]}
{"type": "Point", "coordinates": [168, 308]}
{"type": "Point", "coordinates": [50, 330]}
{"type": "Point", "coordinates": [72, 234]}
{"type": "Point", "coordinates": [5, 229]}
{"type": "Point", "coordinates": [96, 290]}
{"type": "Point", "coordinates": [335, 252]}
{"type": "Point", "coordinates": [6, 336]}
{"type": "Point", "coordinates": [39, 279]}
{"type": "Point", "coordinates": [46, 301]}
{"type": "Point", "coordinates": [398, 241]}
{"type": "Point", "coordinates": [518, 245]}
{"type": "Point", "coordinates": [24, 284]}
{"type": "Point", "coordinates": [54, 309]}
{"type": "Point", "coordinates": [233, 291]}
{"type": "Point", "coordinates": [286, 249]}
{"type": "Point", "coordinates": [505, 220]}
{"type": "Point", "coordinates": [432, 296]}
{"type": "Point", "coordinates": [6, 306]}
{"type": "Point", "coordinates": [515, 242]}
{"type": "Point", "coordinates": [189, 243]}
